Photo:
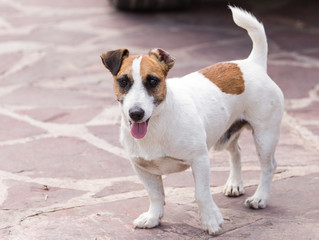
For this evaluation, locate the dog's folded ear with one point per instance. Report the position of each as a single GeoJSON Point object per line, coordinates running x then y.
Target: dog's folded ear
{"type": "Point", "coordinates": [163, 57]}
{"type": "Point", "coordinates": [112, 60]}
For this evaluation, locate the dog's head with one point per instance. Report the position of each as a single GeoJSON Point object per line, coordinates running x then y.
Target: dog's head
{"type": "Point", "coordinates": [139, 84]}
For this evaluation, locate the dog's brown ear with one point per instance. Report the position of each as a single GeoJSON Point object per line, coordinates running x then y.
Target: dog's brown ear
{"type": "Point", "coordinates": [112, 60]}
{"type": "Point", "coordinates": [163, 57]}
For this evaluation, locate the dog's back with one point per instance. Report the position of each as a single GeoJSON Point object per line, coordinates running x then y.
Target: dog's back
{"type": "Point", "coordinates": [220, 105]}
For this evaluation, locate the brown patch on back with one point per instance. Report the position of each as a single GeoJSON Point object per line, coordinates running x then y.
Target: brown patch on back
{"type": "Point", "coordinates": [150, 66]}
{"type": "Point", "coordinates": [227, 76]}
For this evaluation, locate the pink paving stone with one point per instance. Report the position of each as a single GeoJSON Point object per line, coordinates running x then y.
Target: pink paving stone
{"type": "Point", "coordinates": [310, 112]}
{"type": "Point", "coordinates": [71, 4]}
{"type": "Point", "coordinates": [297, 39]}
{"type": "Point", "coordinates": [7, 11]}
{"type": "Point", "coordinates": [23, 195]}
{"type": "Point", "coordinates": [313, 128]}
{"type": "Point", "coordinates": [284, 58]}
{"type": "Point", "coordinates": [276, 228]}
{"type": "Point", "coordinates": [8, 60]}
{"type": "Point", "coordinates": [174, 38]}
{"type": "Point", "coordinates": [77, 61]}
{"type": "Point", "coordinates": [287, 213]}
{"type": "Point", "coordinates": [290, 142]}
{"type": "Point", "coordinates": [52, 98]}
{"type": "Point", "coordinates": [20, 20]}
{"type": "Point", "coordinates": [288, 206]}
{"type": "Point", "coordinates": [65, 116]}
{"type": "Point", "coordinates": [63, 157]}
{"type": "Point", "coordinates": [237, 48]}
{"type": "Point", "coordinates": [114, 219]}
{"type": "Point", "coordinates": [92, 63]}
{"type": "Point", "coordinates": [50, 66]}
{"type": "Point", "coordinates": [61, 66]}
{"type": "Point", "coordinates": [312, 53]}
{"type": "Point", "coordinates": [289, 81]}
{"type": "Point", "coordinates": [110, 133]}
{"type": "Point", "coordinates": [122, 20]}
{"type": "Point", "coordinates": [102, 87]}
{"type": "Point", "coordinates": [57, 67]}
{"type": "Point", "coordinates": [50, 35]}
{"type": "Point", "coordinates": [120, 187]}
{"type": "Point", "coordinates": [11, 129]}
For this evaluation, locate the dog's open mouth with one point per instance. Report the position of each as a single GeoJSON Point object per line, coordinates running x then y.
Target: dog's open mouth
{"type": "Point", "coordinates": [138, 130]}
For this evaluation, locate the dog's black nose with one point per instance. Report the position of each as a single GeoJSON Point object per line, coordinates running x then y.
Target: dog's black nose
{"type": "Point", "coordinates": [136, 114]}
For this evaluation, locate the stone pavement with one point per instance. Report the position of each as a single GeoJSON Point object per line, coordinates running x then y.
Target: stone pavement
{"type": "Point", "coordinates": [63, 174]}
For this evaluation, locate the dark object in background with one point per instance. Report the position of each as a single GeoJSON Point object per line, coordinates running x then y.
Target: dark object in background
{"type": "Point", "coordinates": [150, 5]}
{"type": "Point", "coordinates": [162, 5]}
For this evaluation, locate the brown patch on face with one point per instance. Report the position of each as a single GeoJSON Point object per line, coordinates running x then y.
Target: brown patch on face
{"type": "Point", "coordinates": [125, 70]}
{"type": "Point", "coordinates": [152, 69]}
{"type": "Point", "coordinates": [227, 76]}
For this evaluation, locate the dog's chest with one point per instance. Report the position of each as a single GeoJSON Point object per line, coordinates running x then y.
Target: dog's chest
{"type": "Point", "coordinates": [161, 166]}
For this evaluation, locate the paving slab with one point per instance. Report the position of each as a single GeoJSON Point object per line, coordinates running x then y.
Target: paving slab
{"type": "Point", "coordinates": [63, 172]}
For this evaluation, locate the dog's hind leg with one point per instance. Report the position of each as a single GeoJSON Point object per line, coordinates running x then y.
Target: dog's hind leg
{"type": "Point", "coordinates": [154, 187]}
{"type": "Point", "coordinates": [266, 138]}
{"type": "Point", "coordinates": [234, 186]}
{"type": "Point", "coordinates": [229, 141]}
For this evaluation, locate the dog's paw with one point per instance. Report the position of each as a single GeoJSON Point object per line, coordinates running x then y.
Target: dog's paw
{"type": "Point", "coordinates": [212, 223]}
{"type": "Point", "coordinates": [233, 189]}
{"type": "Point", "coordinates": [146, 220]}
{"type": "Point", "coordinates": [256, 202]}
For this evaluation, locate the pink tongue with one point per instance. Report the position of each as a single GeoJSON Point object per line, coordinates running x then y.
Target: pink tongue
{"type": "Point", "coordinates": [138, 130]}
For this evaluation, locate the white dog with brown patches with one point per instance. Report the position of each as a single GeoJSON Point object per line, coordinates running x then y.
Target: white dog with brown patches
{"type": "Point", "coordinates": [169, 125]}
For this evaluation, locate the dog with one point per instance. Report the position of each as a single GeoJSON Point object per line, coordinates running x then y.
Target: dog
{"type": "Point", "coordinates": [169, 125]}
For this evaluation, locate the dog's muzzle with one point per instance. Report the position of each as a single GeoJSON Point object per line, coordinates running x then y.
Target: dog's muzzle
{"type": "Point", "coordinates": [138, 128]}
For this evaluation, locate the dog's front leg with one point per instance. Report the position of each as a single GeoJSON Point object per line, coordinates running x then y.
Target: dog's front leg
{"type": "Point", "coordinates": [154, 186]}
{"type": "Point", "coordinates": [209, 212]}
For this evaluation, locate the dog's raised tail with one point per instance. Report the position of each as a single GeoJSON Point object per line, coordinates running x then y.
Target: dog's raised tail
{"type": "Point", "coordinates": [256, 32]}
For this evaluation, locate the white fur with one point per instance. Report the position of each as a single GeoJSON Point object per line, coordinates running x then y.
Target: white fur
{"type": "Point", "coordinates": [193, 117]}
{"type": "Point", "coordinates": [137, 96]}
{"type": "Point", "coordinates": [256, 32]}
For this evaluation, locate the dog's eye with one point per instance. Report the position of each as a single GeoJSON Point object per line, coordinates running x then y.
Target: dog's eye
{"type": "Point", "coordinates": [152, 81]}
{"type": "Point", "coordinates": [123, 81]}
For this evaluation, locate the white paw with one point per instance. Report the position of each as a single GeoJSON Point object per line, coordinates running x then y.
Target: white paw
{"type": "Point", "coordinates": [213, 222]}
{"type": "Point", "coordinates": [256, 202]}
{"type": "Point", "coordinates": [147, 220]}
{"type": "Point", "coordinates": [234, 189]}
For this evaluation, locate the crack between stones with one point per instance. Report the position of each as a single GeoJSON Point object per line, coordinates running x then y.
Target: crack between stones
{"type": "Point", "coordinates": [242, 226]}
{"type": "Point", "coordinates": [7, 227]}
{"type": "Point", "coordinates": [49, 211]}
